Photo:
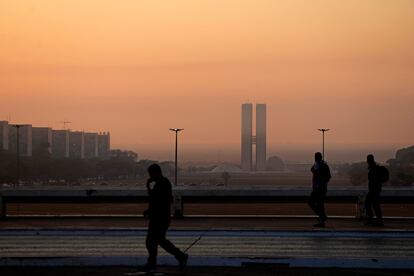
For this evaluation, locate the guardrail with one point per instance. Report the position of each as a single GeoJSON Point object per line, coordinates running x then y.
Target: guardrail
{"type": "Point", "coordinates": [183, 196]}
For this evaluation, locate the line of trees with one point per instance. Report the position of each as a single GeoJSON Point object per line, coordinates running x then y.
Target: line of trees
{"type": "Point", "coordinates": [401, 169]}
{"type": "Point", "coordinates": [44, 169]}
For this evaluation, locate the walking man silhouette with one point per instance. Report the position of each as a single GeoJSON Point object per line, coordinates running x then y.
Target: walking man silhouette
{"type": "Point", "coordinates": [377, 175]}
{"type": "Point", "coordinates": [320, 178]}
{"type": "Point", "coordinates": [159, 214]}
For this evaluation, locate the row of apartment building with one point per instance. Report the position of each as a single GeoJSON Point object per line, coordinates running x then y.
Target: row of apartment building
{"type": "Point", "coordinates": [59, 143]}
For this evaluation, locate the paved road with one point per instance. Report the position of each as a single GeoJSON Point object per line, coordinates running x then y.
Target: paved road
{"type": "Point", "coordinates": [234, 248]}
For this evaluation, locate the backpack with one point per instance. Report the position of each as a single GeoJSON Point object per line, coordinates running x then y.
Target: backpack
{"type": "Point", "coordinates": [383, 174]}
{"type": "Point", "coordinates": [326, 174]}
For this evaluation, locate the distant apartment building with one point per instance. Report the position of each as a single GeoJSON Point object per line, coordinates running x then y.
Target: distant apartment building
{"type": "Point", "coordinates": [4, 135]}
{"type": "Point", "coordinates": [25, 139]}
{"type": "Point", "coordinates": [104, 145]}
{"type": "Point", "coordinates": [57, 143]}
{"type": "Point", "coordinates": [60, 143]}
{"type": "Point", "coordinates": [91, 145]}
{"type": "Point", "coordinates": [77, 144]}
{"type": "Point", "coordinates": [42, 140]}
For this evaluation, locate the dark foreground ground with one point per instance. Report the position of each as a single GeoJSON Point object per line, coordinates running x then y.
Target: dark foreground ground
{"type": "Point", "coordinates": [197, 271]}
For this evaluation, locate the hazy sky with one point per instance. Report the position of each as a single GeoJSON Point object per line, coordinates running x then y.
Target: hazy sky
{"type": "Point", "coordinates": [137, 68]}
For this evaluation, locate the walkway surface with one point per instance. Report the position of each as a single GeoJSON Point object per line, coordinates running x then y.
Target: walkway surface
{"type": "Point", "coordinates": [205, 223]}
{"type": "Point", "coordinates": [386, 249]}
{"type": "Point", "coordinates": [249, 243]}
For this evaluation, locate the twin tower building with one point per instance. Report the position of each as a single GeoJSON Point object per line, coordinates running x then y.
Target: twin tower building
{"type": "Point", "coordinates": [248, 139]}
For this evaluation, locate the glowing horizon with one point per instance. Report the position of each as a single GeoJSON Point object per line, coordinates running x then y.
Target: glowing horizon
{"type": "Point", "coordinates": [137, 68]}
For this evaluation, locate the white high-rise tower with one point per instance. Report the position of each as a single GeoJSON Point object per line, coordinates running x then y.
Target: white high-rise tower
{"type": "Point", "coordinates": [246, 137]}
{"type": "Point", "coordinates": [248, 140]}
{"type": "Point", "coordinates": [260, 137]}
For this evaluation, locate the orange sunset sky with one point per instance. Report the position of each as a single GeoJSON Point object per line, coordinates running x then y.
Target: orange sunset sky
{"type": "Point", "coordinates": [137, 68]}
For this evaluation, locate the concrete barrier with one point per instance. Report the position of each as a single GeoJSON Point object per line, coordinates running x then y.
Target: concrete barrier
{"type": "Point", "coordinates": [184, 195]}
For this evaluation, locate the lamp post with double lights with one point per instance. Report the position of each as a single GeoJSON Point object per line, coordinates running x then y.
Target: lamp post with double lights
{"type": "Point", "coordinates": [178, 204]}
{"type": "Point", "coordinates": [176, 130]}
{"type": "Point", "coordinates": [323, 130]}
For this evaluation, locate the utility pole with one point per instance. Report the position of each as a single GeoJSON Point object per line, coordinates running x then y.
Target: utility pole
{"type": "Point", "coordinates": [64, 122]}
{"type": "Point", "coordinates": [323, 130]}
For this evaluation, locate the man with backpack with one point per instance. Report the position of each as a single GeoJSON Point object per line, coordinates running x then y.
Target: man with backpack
{"type": "Point", "coordinates": [320, 178]}
{"type": "Point", "coordinates": [377, 175]}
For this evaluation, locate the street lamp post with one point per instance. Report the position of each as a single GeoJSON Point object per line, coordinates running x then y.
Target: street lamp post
{"type": "Point", "coordinates": [17, 152]}
{"type": "Point", "coordinates": [176, 130]}
{"type": "Point", "coordinates": [178, 204]}
{"type": "Point", "coordinates": [323, 130]}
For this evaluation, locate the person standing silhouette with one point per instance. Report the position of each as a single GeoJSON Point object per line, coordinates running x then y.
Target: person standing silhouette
{"type": "Point", "coordinates": [321, 175]}
{"type": "Point", "coordinates": [159, 215]}
{"type": "Point", "coordinates": [377, 175]}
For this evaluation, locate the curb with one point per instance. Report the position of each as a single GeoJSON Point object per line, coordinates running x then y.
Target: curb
{"type": "Point", "coordinates": [206, 233]}
{"type": "Point", "coordinates": [135, 261]}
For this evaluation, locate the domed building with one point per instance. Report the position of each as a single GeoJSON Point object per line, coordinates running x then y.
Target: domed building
{"type": "Point", "coordinates": [275, 163]}
{"type": "Point", "coordinates": [230, 168]}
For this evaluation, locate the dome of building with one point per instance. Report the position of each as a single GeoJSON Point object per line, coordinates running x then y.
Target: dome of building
{"type": "Point", "coordinates": [275, 163]}
{"type": "Point", "coordinates": [226, 168]}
